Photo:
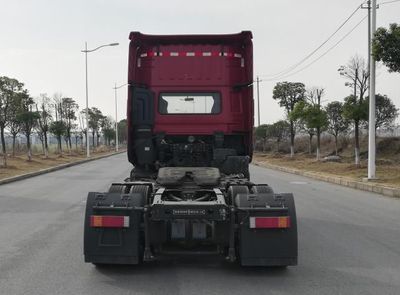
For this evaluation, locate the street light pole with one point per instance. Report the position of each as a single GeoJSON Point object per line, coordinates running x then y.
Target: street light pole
{"type": "Point", "coordinates": [258, 100]}
{"type": "Point", "coordinates": [116, 118]}
{"type": "Point", "coordinates": [87, 92]}
{"type": "Point", "coordinates": [116, 114]}
{"type": "Point", "coordinates": [87, 104]}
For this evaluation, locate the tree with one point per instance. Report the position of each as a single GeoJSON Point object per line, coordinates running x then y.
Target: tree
{"type": "Point", "coordinates": [354, 108]}
{"type": "Point", "coordinates": [356, 111]}
{"type": "Point", "coordinates": [261, 134]}
{"type": "Point", "coordinates": [288, 94]}
{"type": "Point", "coordinates": [386, 46]}
{"type": "Point", "coordinates": [44, 120]}
{"type": "Point", "coordinates": [95, 115]}
{"type": "Point", "coordinates": [78, 136]}
{"type": "Point", "coordinates": [82, 127]}
{"type": "Point", "coordinates": [9, 89]}
{"type": "Point", "coordinates": [279, 130]}
{"type": "Point", "coordinates": [122, 130]}
{"type": "Point", "coordinates": [109, 134]}
{"type": "Point", "coordinates": [69, 108]}
{"type": "Point", "coordinates": [299, 116]}
{"type": "Point", "coordinates": [28, 119]}
{"type": "Point", "coordinates": [312, 115]}
{"type": "Point", "coordinates": [337, 124]}
{"type": "Point", "coordinates": [15, 125]}
{"type": "Point", "coordinates": [317, 117]}
{"type": "Point", "coordinates": [4, 105]}
{"type": "Point", "coordinates": [311, 132]}
{"type": "Point", "coordinates": [107, 126]}
{"type": "Point", "coordinates": [58, 129]}
{"type": "Point", "coordinates": [386, 111]}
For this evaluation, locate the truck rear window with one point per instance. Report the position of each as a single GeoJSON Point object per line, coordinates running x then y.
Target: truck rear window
{"type": "Point", "coordinates": [189, 103]}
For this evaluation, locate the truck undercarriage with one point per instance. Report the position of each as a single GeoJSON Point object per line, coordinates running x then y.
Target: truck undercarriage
{"type": "Point", "coordinates": [191, 210]}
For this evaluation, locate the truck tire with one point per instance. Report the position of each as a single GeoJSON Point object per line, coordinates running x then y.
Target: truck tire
{"type": "Point", "coordinates": [262, 189]}
{"type": "Point", "coordinates": [234, 190]}
{"type": "Point", "coordinates": [117, 188]}
{"type": "Point", "coordinates": [144, 190]}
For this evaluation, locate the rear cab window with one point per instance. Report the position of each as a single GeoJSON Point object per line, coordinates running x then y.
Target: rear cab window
{"type": "Point", "coordinates": [189, 103]}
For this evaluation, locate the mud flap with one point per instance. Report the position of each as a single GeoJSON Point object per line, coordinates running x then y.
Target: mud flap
{"type": "Point", "coordinates": [114, 244]}
{"type": "Point", "coordinates": [267, 246]}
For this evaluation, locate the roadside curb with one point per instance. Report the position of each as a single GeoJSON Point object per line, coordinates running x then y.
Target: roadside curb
{"type": "Point", "coordinates": [370, 187]}
{"type": "Point", "coordinates": [55, 168]}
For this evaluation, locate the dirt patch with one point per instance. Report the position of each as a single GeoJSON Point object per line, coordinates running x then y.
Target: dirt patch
{"type": "Point", "coordinates": [387, 172]}
{"type": "Point", "coordinates": [20, 165]}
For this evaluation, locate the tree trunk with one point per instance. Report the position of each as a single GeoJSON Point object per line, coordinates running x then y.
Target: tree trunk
{"type": "Point", "coordinates": [3, 144]}
{"type": "Point", "coordinates": [46, 145]}
{"type": "Point", "coordinates": [28, 145]}
{"type": "Point", "coordinates": [70, 143]}
{"type": "Point", "coordinates": [292, 139]}
{"type": "Point", "coordinates": [310, 144]}
{"type": "Point", "coordinates": [277, 145]}
{"type": "Point", "coordinates": [336, 145]}
{"type": "Point", "coordinates": [93, 139]}
{"type": "Point", "coordinates": [13, 144]}
{"type": "Point", "coordinates": [59, 145]}
{"type": "Point", "coordinates": [357, 147]}
{"type": "Point", "coordinates": [43, 148]}
{"type": "Point", "coordinates": [318, 142]}
{"type": "Point", "coordinates": [67, 144]}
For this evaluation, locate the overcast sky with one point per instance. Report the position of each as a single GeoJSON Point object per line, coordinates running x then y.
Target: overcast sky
{"type": "Point", "coordinates": [41, 41]}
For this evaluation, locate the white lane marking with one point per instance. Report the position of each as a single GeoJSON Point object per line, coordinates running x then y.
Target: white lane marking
{"type": "Point", "coordinates": [298, 182]}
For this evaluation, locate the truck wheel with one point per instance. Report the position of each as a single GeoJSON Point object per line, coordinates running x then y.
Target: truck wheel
{"type": "Point", "coordinates": [144, 190]}
{"type": "Point", "coordinates": [117, 188]}
{"type": "Point", "coordinates": [145, 194]}
{"type": "Point", "coordinates": [262, 189]}
{"type": "Point", "coordinates": [234, 190]}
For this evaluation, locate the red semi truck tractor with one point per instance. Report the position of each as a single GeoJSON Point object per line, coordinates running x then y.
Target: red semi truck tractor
{"type": "Point", "coordinates": [190, 126]}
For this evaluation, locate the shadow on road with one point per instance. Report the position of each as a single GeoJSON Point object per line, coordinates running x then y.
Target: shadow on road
{"type": "Point", "coordinates": [178, 275]}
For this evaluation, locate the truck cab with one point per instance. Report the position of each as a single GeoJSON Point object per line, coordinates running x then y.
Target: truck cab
{"type": "Point", "coordinates": [190, 102]}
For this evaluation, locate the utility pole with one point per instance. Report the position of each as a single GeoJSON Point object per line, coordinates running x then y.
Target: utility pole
{"type": "Point", "coordinates": [258, 100]}
{"type": "Point", "coordinates": [356, 129]}
{"type": "Point", "coordinates": [371, 125]}
{"type": "Point", "coordinates": [368, 6]}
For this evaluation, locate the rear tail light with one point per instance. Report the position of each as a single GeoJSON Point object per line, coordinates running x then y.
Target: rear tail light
{"type": "Point", "coordinates": [109, 221]}
{"type": "Point", "coordinates": [270, 222]}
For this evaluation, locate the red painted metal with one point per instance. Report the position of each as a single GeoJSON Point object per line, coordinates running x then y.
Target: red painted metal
{"type": "Point", "coordinates": [162, 64]}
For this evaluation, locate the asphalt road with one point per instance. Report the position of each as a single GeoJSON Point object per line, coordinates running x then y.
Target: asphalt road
{"type": "Point", "coordinates": [349, 242]}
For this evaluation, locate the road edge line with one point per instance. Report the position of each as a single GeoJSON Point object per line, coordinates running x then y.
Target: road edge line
{"type": "Point", "coordinates": [370, 187]}
{"type": "Point", "coordinates": [55, 168]}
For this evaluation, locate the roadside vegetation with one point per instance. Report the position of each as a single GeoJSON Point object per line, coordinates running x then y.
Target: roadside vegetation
{"type": "Point", "coordinates": [38, 132]}
{"type": "Point", "coordinates": [333, 138]}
